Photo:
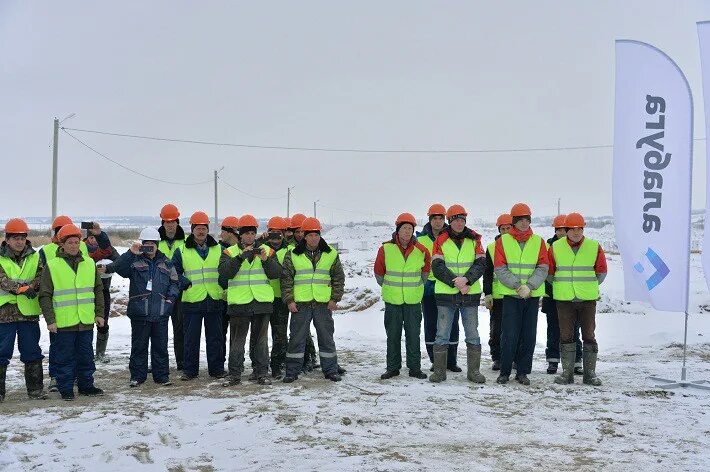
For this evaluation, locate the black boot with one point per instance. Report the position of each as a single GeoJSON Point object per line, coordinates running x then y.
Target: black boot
{"type": "Point", "coordinates": [288, 378]}
{"type": "Point", "coordinates": [389, 374]}
{"type": "Point", "coordinates": [552, 367]}
{"type": "Point", "coordinates": [341, 371]}
{"type": "Point", "coordinates": [496, 364]}
{"type": "Point", "coordinates": [417, 374]}
{"type": "Point", "coordinates": [3, 374]}
{"type": "Point", "coordinates": [34, 380]}
{"type": "Point", "coordinates": [91, 391]}
{"type": "Point", "coordinates": [333, 377]}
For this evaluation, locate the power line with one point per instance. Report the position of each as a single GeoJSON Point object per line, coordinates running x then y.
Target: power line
{"type": "Point", "coordinates": [247, 193]}
{"type": "Point", "coordinates": [353, 150]}
{"type": "Point", "coordinates": [130, 169]}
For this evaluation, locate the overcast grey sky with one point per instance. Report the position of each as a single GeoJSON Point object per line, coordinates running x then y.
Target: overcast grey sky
{"type": "Point", "coordinates": [370, 74]}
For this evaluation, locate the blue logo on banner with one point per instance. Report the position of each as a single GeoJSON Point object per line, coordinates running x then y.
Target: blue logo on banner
{"type": "Point", "coordinates": [662, 269]}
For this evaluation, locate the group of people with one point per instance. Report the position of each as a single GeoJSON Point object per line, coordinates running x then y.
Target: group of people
{"type": "Point", "coordinates": [287, 278]}
{"type": "Point", "coordinates": [439, 273]}
{"type": "Point", "coordinates": [242, 284]}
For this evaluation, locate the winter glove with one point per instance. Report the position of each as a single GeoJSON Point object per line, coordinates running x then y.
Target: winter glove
{"type": "Point", "coordinates": [27, 291]}
{"type": "Point", "coordinates": [488, 302]}
{"type": "Point", "coordinates": [523, 291]}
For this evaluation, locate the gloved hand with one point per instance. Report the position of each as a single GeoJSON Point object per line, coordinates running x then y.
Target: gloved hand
{"type": "Point", "coordinates": [488, 302]}
{"type": "Point", "coordinates": [27, 290]}
{"type": "Point", "coordinates": [523, 291]}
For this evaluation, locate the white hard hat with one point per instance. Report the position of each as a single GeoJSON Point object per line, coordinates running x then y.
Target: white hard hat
{"type": "Point", "coordinates": [105, 262]}
{"type": "Point", "coordinates": [149, 234]}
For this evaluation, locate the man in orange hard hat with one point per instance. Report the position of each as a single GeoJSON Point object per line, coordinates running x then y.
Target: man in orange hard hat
{"type": "Point", "coordinates": [458, 262]}
{"type": "Point", "coordinates": [46, 254]}
{"type": "Point", "coordinates": [429, 233]}
{"type": "Point", "coordinates": [312, 283]}
{"type": "Point", "coordinates": [71, 298]}
{"type": "Point", "coordinates": [20, 273]}
{"type": "Point", "coordinates": [491, 287]}
{"type": "Point", "coordinates": [577, 268]}
{"type": "Point", "coordinates": [228, 237]}
{"type": "Point", "coordinates": [197, 262]}
{"type": "Point", "coordinates": [248, 266]}
{"type": "Point", "coordinates": [401, 267]}
{"type": "Point", "coordinates": [521, 264]}
{"type": "Point", "coordinates": [549, 307]}
{"type": "Point", "coordinates": [172, 237]}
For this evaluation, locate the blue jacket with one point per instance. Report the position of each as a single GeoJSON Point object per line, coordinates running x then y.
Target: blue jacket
{"type": "Point", "coordinates": [144, 304]}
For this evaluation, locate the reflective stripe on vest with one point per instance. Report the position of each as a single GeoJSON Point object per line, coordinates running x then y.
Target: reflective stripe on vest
{"type": "Point", "coordinates": [575, 278]}
{"type": "Point", "coordinates": [23, 275]}
{"type": "Point", "coordinates": [250, 283]}
{"type": "Point", "coordinates": [50, 250]}
{"type": "Point", "coordinates": [522, 262]}
{"type": "Point", "coordinates": [497, 293]}
{"type": "Point", "coordinates": [403, 277]}
{"type": "Point", "coordinates": [311, 284]}
{"type": "Point", "coordinates": [73, 296]}
{"type": "Point", "coordinates": [426, 241]}
{"type": "Point", "coordinates": [170, 250]}
{"type": "Point", "coordinates": [458, 261]}
{"type": "Point", "coordinates": [276, 283]}
{"type": "Point", "coordinates": [202, 274]}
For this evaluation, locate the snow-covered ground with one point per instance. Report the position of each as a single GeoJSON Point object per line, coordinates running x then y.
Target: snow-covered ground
{"type": "Point", "coordinates": [363, 423]}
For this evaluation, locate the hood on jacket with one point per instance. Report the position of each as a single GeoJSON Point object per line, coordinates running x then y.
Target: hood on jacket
{"type": "Point", "coordinates": [301, 246]}
{"type": "Point", "coordinates": [179, 233]}
{"type": "Point", "coordinates": [190, 241]}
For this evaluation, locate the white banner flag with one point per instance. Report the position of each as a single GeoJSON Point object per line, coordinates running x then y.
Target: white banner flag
{"type": "Point", "coordinates": [653, 157]}
{"type": "Point", "coordinates": [704, 37]}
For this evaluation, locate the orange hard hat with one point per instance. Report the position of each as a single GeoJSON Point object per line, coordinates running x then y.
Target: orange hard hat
{"type": "Point", "coordinates": [230, 222]}
{"type": "Point", "coordinates": [436, 209]}
{"type": "Point", "coordinates": [575, 220]}
{"type": "Point", "coordinates": [278, 223]}
{"type": "Point", "coordinates": [247, 221]}
{"type": "Point", "coordinates": [16, 226]}
{"type": "Point", "coordinates": [199, 218]}
{"type": "Point", "coordinates": [297, 220]}
{"type": "Point", "coordinates": [60, 221]}
{"type": "Point", "coordinates": [311, 224]}
{"type": "Point", "coordinates": [559, 221]}
{"type": "Point", "coordinates": [504, 219]}
{"type": "Point", "coordinates": [520, 209]}
{"type": "Point", "coordinates": [169, 212]}
{"type": "Point", "coordinates": [455, 210]}
{"type": "Point", "coordinates": [287, 220]}
{"type": "Point", "coordinates": [406, 218]}
{"type": "Point", "coordinates": [68, 231]}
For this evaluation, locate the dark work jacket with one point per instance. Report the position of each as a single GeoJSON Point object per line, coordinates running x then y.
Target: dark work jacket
{"type": "Point", "coordinates": [143, 304]}
{"type": "Point", "coordinates": [548, 304]}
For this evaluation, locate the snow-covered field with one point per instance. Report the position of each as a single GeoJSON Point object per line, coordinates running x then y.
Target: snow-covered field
{"type": "Point", "coordinates": [363, 423]}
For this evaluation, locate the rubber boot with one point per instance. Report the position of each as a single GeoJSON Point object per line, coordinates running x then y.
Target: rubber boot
{"type": "Point", "coordinates": [34, 380]}
{"type": "Point", "coordinates": [473, 361]}
{"type": "Point", "coordinates": [441, 352]}
{"type": "Point", "coordinates": [567, 355]}
{"type": "Point", "coordinates": [3, 373]}
{"type": "Point", "coordinates": [589, 358]}
{"type": "Point", "coordinates": [101, 341]}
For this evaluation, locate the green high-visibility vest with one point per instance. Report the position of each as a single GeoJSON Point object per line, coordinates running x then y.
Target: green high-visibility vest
{"type": "Point", "coordinates": [403, 277]}
{"type": "Point", "coordinates": [169, 249]}
{"type": "Point", "coordinates": [497, 293]}
{"type": "Point", "coordinates": [24, 275]}
{"type": "Point", "coordinates": [50, 250]}
{"type": "Point", "coordinates": [73, 296]}
{"type": "Point", "coordinates": [311, 284]}
{"type": "Point", "coordinates": [276, 283]}
{"type": "Point", "coordinates": [250, 283]}
{"type": "Point", "coordinates": [458, 261]}
{"type": "Point", "coordinates": [575, 278]}
{"type": "Point", "coordinates": [202, 274]}
{"type": "Point", "coordinates": [522, 262]}
{"type": "Point", "coordinates": [428, 243]}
